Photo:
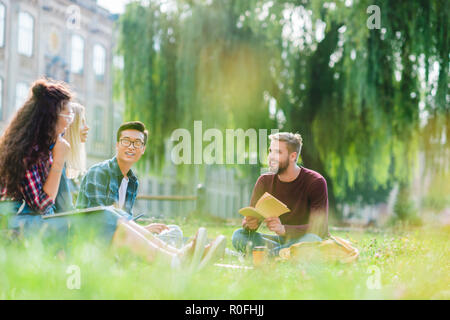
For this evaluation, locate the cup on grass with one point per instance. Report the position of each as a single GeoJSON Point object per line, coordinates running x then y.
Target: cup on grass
{"type": "Point", "coordinates": [259, 255]}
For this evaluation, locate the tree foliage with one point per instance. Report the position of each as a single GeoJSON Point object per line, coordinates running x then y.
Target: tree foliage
{"type": "Point", "coordinates": [366, 101]}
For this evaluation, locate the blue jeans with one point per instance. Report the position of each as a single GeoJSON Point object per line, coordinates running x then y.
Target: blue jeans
{"type": "Point", "coordinates": [93, 226]}
{"type": "Point", "coordinates": [244, 240]}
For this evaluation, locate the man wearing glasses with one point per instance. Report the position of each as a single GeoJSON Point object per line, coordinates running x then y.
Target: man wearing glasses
{"type": "Point", "coordinates": [112, 182]}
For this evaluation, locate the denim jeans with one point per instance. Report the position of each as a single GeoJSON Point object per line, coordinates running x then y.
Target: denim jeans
{"type": "Point", "coordinates": [98, 225]}
{"type": "Point", "coordinates": [244, 240]}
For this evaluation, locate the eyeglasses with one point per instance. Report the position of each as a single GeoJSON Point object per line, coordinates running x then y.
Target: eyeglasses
{"type": "Point", "coordinates": [69, 116]}
{"type": "Point", "coordinates": [136, 143]}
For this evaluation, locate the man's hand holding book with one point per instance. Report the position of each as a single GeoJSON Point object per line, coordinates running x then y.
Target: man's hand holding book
{"type": "Point", "coordinates": [267, 209]}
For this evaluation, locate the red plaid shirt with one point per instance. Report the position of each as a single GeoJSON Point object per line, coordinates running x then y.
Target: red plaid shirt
{"type": "Point", "coordinates": [33, 184]}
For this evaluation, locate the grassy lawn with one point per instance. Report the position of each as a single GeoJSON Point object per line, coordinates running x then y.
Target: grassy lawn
{"type": "Point", "coordinates": [410, 264]}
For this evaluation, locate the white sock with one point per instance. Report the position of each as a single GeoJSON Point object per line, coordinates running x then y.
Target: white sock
{"type": "Point", "coordinates": [175, 262]}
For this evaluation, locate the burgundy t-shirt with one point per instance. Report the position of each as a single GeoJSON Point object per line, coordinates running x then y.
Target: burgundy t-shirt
{"type": "Point", "coordinates": [306, 197]}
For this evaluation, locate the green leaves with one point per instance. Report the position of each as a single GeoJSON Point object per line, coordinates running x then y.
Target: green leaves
{"type": "Point", "coordinates": [352, 92]}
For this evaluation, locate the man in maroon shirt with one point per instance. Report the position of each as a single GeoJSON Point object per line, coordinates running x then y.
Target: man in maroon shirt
{"type": "Point", "coordinates": [304, 191]}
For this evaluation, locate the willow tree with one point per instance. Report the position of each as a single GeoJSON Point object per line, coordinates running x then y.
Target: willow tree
{"type": "Point", "coordinates": [190, 63]}
{"type": "Point", "coordinates": [149, 80]}
{"type": "Point", "coordinates": [365, 100]}
{"type": "Point", "coordinates": [356, 94]}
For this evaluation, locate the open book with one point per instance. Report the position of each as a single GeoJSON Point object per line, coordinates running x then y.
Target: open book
{"type": "Point", "coordinates": [267, 207]}
{"type": "Point", "coordinates": [77, 211]}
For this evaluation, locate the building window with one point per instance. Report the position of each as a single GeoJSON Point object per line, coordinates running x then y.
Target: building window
{"type": "Point", "coordinates": [98, 124]}
{"type": "Point", "coordinates": [77, 59]}
{"type": "Point", "coordinates": [118, 62]}
{"type": "Point", "coordinates": [26, 32]}
{"type": "Point", "coordinates": [2, 24]}
{"type": "Point", "coordinates": [99, 60]}
{"type": "Point", "coordinates": [21, 94]}
{"type": "Point", "coordinates": [1, 98]}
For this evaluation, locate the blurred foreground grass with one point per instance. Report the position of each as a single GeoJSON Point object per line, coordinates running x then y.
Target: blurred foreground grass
{"type": "Point", "coordinates": [410, 263]}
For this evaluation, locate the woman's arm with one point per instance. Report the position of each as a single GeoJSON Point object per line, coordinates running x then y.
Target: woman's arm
{"type": "Point", "coordinates": [60, 150]}
{"type": "Point", "coordinates": [51, 185]}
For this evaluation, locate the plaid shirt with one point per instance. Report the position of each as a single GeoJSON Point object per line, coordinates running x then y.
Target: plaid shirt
{"type": "Point", "coordinates": [32, 186]}
{"type": "Point", "coordinates": [100, 186]}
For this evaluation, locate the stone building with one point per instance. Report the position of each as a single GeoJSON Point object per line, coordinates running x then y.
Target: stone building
{"type": "Point", "coordinates": [70, 40]}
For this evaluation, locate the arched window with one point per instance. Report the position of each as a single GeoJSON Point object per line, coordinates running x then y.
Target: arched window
{"type": "Point", "coordinates": [1, 98]}
{"type": "Point", "coordinates": [21, 94]}
{"type": "Point", "coordinates": [2, 24]}
{"type": "Point", "coordinates": [77, 55]}
{"type": "Point", "coordinates": [99, 60]}
{"type": "Point", "coordinates": [99, 120]}
{"type": "Point", "coordinates": [26, 34]}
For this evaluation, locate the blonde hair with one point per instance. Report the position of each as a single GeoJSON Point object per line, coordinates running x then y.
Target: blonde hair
{"type": "Point", "coordinates": [76, 159]}
{"type": "Point", "coordinates": [294, 141]}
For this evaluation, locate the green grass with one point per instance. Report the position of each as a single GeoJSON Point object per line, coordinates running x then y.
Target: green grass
{"type": "Point", "coordinates": [413, 264]}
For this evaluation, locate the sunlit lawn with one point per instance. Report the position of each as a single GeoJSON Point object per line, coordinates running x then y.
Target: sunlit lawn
{"type": "Point", "coordinates": [412, 264]}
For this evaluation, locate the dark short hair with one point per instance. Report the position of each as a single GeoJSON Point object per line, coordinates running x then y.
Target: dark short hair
{"type": "Point", "coordinates": [133, 125]}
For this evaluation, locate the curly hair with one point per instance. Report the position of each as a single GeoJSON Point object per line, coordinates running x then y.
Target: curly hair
{"type": "Point", "coordinates": [31, 132]}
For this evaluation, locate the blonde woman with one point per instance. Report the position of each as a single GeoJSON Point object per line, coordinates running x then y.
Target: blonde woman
{"type": "Point", "coordinates": [76, 134]}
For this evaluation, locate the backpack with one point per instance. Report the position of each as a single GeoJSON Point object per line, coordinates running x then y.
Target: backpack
{"type": "Point", "coordinates": [333, 249]}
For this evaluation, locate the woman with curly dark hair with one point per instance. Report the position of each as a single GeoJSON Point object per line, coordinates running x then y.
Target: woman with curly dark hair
{"type": "Point", "coordinates": [32, 149]}
{"type": "Point", "coordinates": [32, 157]}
